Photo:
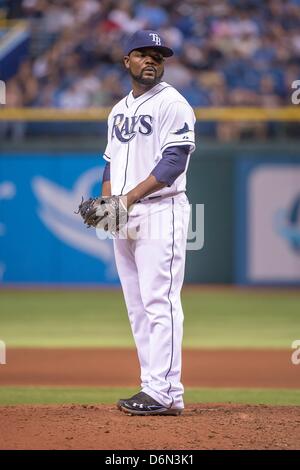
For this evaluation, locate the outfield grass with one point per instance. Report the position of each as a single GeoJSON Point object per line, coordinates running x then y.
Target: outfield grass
{"type": "Point", "coordinates": [213, 319]}
{"type": "Point", "coordinates": [92, 396]}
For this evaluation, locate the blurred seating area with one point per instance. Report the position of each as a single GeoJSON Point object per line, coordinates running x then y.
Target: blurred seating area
{"type": "Point", "coordinates": [228, 53]}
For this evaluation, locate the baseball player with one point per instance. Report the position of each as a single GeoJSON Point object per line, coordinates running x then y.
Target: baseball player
{"type": "Point", "coordinates": [150, 140]}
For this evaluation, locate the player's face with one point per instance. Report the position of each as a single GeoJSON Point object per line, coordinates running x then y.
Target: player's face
{"type": "Point", "coordinates": [146, 66]}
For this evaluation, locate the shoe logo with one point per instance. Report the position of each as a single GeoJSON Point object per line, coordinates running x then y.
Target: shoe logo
{"type": "Point", "coordinates": [183, 130]}
{"type": "Point", "coordinates": [146, 407]}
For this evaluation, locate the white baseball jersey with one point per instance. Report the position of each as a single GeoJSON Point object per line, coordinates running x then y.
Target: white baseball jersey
{"type": "Point", "coordinates": [140, 129]}
{"type": "Point", "coordinates": [151, 268]}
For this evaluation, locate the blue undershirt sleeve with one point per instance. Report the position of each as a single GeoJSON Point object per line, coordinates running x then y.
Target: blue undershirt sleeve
{"type": "Point", "coordinates": [172, 164]}
{"type": "Point", "coordinates": [106, 173]}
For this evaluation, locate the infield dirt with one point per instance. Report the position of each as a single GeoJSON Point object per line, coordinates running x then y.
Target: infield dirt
{"type": "Point", "coordinates": [119, 367]}
{"type": "Point", "coordinates": [202, 426]}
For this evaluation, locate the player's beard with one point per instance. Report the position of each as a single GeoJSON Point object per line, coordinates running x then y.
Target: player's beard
{"type": "Point", "coordinates": [147, 81]}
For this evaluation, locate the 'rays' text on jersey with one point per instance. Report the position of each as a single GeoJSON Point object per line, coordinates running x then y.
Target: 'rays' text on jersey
{"type": "Point", "coordinates": [126, 128]}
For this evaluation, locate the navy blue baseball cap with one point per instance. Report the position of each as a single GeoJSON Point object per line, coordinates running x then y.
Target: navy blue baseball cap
{"type": "Point", "coordinates": [147, 39]}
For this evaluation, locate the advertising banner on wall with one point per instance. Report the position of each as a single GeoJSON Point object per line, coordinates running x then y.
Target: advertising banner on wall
{"type": "Point", "coordinates": [268, 221]}
{"type": "Point", "coordinates": [42, 240]}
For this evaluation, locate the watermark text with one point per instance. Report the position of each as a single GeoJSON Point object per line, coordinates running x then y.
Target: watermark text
{"type": "Point", "coordinates": [296, 93]}
{"type": "Point", "coordinates": [295, 358]}
{"type": "Point", "coordinates": [2, 92]}
{"type": "Point", "coordinates": [2, 353]}
{"type": "Point", "coordinates": [186, 223]}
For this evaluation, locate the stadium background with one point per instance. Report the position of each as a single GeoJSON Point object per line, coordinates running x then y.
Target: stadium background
{"type": "Point", "coordinates": [236, 63]}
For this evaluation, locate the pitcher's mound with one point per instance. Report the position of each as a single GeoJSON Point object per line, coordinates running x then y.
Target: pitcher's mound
{"type": "Point", "coordinates": [213, 426]}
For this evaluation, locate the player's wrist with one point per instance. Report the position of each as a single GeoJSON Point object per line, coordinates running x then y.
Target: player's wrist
{"type": "Point", "coordinates": [131, 198]}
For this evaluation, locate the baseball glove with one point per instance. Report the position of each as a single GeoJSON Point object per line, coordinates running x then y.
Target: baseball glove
{"type": "Point", "coordinates": [106, 212]}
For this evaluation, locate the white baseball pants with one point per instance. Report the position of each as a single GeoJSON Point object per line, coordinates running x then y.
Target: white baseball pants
{"type": "Point", "coordinates": [150, 263]}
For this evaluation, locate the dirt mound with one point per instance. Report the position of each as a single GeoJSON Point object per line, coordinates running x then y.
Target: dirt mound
{"type": "Point", "coordinates": [213, 426]}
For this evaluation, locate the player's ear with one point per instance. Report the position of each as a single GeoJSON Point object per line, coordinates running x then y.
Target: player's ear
{"type": "Point", "coordinates": [126, 61]}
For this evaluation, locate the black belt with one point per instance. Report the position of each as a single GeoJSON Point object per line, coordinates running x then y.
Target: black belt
{"type": "Point", "coordinates": [147, 199]}
{"type": "Point", "coordinates": [162, 196]}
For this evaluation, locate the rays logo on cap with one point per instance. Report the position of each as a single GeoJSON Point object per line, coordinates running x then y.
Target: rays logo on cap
{"type": "Point", "coordinates": [155, 38]}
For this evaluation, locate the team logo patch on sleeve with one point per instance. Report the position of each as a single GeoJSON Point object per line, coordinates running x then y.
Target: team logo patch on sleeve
{"type": "Point", "coordinates": [183, 130]}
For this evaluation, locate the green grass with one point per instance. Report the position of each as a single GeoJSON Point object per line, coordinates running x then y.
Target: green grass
{"type": "Point", "coordinates": [213, 319]}
{"type": "Point", "coordinates": [89, 396]}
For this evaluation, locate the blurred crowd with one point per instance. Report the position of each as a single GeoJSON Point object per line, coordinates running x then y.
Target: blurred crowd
{"type": "Point", "coordinates": [228, 53]}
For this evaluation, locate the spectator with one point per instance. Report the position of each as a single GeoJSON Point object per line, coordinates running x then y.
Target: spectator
{"type": "Point", "coordinates": [74, 98]}
{"type": "Point", "coordinates": [151, 14]}
{"type": "Point", "coordinates": [14, 130]}
{"type": "Point", "coordinates": [228, 52]}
